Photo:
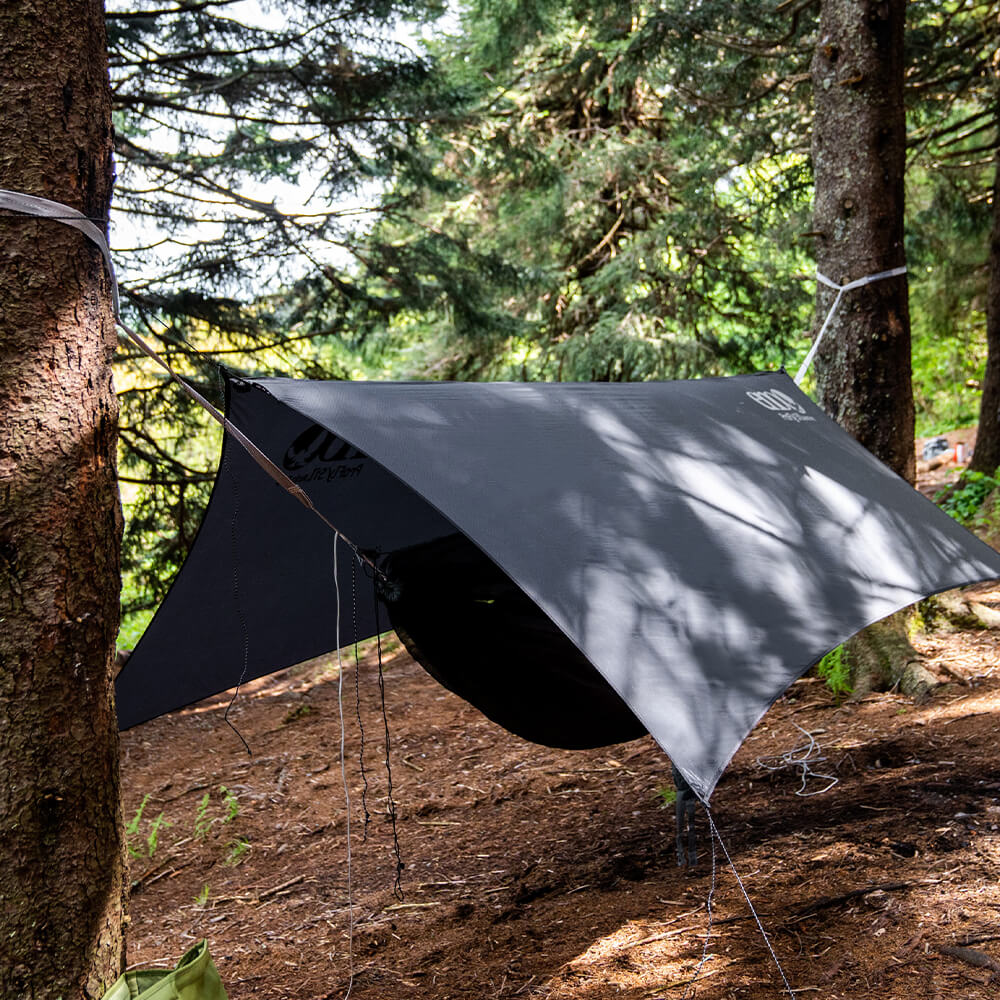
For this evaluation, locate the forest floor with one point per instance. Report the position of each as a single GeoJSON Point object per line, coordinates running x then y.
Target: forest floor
{"type": "Point", "coordinates": [532, 872]}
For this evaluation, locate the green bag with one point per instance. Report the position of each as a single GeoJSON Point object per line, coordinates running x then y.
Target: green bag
{"type": "Point", "coordinates": [195, 978]}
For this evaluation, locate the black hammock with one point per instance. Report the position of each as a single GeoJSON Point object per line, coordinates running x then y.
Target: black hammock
{"type": "Point", "coordinates": [478, 634]}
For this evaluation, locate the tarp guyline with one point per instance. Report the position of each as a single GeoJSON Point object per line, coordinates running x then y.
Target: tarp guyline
{"type": "Point", "coordinates": [583, 562]}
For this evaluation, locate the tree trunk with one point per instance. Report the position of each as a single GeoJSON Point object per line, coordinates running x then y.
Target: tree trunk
{"type": "Point", "coordinates": [858, 148]}
{"type": "Point", "coordinates": [986, 457]}
{"type": "Point", "coordinates": [62, 858]}
{"type": "Point", "coordinates": [863, 368]}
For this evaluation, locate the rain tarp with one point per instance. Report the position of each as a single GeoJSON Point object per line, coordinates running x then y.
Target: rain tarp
{"type": "Point", "coordinates": [583, 561]}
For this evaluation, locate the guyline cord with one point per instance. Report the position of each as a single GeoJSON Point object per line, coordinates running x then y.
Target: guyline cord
{"type": "Point", "coordinates": [343, 775]}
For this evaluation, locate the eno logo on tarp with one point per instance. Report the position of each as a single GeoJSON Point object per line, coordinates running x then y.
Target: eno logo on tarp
{"type": "Point", "coordinates": [324, 451]}
{"type": "Point", "coordinates": [781, 403]}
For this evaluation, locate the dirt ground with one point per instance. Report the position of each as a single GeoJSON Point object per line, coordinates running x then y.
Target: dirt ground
{"type": "Point", "coordinates": [530, 872]}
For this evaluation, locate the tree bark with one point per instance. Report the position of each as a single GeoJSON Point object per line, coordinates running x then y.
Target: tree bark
{"type": "Point", "coordinates": [62, 858]}
{"type": "Point", "coordinates": [986, 457]}
{"type": "Point", "coordinates": [863, 368]}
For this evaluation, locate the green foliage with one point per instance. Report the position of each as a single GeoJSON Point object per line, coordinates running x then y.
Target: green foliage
{"type": "Point", "coordinates": [643, 173]}
{"type": "Point", "coordinates": [948, 365]}
{"type": "Point", "coordinates": [238, 851]}
{"type": "Point", "coordinates": [646, 172]}
{"type": "Point", "coordinates": [132, 626]}
{"type": "Point", "coordinates": [916, 622]}
{"type": "Point", "coordinates": [153, 837]}
{"type": "Point", "coordinates": [297, 712]}
{"type": "Point", "coordinates": [167, 456]}
{"type": "Point", "coordinates": [834, 669]}
{"type": "Point", "coordinates": [667, 795]}
{"type": "Point", "coordinates": [951, 124]}
{"type": "Point", "coordinates": [229, 804]}
{"type": "Point", "coordinates": [948, 235]}
{"type": "Point", "coordinates": [132, 827]}
{"type": "Point", "coordinates": [963, 499]}
{"type": "Point", "coordinates": [202, 898]}
{"type": "Point", "coordinates": [595, 191]}
{"type": "Point", "coordinates": [225, 125]}
{"type": "Point", "coordinates": [209, 107]}
{"type": "Point", "coordinates": [202, 821]}
{"type": "Point", "coordinates": [139, 846]}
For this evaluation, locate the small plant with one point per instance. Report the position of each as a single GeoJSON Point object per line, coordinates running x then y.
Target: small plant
{"type": "Point", "coordinates": [238, 851]}
{"type": "Point", "coordinates": [133, 839]}
{"type": "Point", "coordinates": [202, 823]}
{"type": "Point", "coordinates": [667, 795]}
{"type": "Point", "coordinates": [835, 670]}
{"type": "Point", "coordinates": [230, 804]}
{"type": "Point", "coordinates": [298, 712]}
{"type": "Point", "coordinates": [202, 898]}
{"type": "Point", "coordinates": [963, 499]}
{"type": "Point", "coordinates": [916, 622]}
{"type": "Point", "coordinates": [132, 827]}
{"type": "Point", "coordinates": [153, 837]}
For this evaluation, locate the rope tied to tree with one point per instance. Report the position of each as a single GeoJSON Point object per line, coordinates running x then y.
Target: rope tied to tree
{"type": "Point", "coordinates": [840, 289]}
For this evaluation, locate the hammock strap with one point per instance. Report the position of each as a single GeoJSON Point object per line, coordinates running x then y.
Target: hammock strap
{"type": "Point", "coordinates": [840, 289]}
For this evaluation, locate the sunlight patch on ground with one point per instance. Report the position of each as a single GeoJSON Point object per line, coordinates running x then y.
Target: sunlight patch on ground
{"type": "Point", "coordinates": [971, 703]}
{"type": "Point", "coordinates": [638, 955]}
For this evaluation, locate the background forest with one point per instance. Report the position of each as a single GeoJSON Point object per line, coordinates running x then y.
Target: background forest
{"type": "Point", "coordinates": [504, 190]}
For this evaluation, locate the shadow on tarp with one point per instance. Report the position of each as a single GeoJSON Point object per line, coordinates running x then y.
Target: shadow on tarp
{"type": "Point", "coordinates": [701, 543]}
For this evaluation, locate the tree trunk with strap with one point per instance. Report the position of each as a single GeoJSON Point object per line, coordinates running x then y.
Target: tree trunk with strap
{"type": "Point", "coordinates": [859, 145]}
{"type": "Point", "coordinates": [63, 880]}
{"type": "Point", "coordinates": [863, 368]}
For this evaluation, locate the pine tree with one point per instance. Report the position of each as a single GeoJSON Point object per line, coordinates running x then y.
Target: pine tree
{"type": "Point", "coordinates": [644, 172]}
{"type": "Point", "coordinates": [62, 859]}
{"type": "Point", "coordinates": [952, 88]}
{"type": "Point", "coordinates": [864, 365]}
{"type": "Point", "coordinates": [859, 154]}
{"type": "Point", "coordinates": [986, 457]}
{"type": "Point", "coordinates": [316, 97]}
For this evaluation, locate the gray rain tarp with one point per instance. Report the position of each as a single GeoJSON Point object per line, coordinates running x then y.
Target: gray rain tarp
{"type": "Point", "coordinates": [700, 543]}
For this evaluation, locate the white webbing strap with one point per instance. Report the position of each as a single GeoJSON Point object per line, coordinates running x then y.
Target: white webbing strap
{"type": "Point", "coordinates": [29, 204]}
{"type": "Point", "coordinates": [26, 204]}
{"type": "Point", "coordinates": [840, 289]}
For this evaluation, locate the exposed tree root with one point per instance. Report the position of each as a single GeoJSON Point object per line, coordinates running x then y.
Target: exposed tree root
{"type": "Point", "coordinates": [882, 658]}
